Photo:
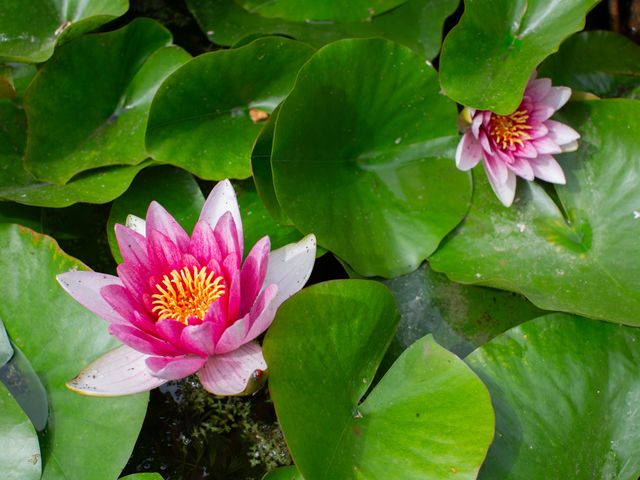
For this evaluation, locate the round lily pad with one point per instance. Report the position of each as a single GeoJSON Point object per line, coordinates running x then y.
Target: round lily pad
{"type": "Point", "coordinates": [201, 118]}
{"type": "Point", "coordinates": [488, 57]}
{"type": "Point", "coordinates": [579, 256]}
{"type": "Point", "coordinates": [362, 156]}
{"type": "Point", "coordinates": [126, 67]}
{"type": "Point", "coordinates": [565, 391]}
{"type": "Point", "coordinates": [429, 416]}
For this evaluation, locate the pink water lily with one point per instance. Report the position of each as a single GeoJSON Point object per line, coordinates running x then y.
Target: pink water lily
{"type": "Point", "coordinates": [182, 305]}
{"type": "Point", "coordinates": [519, 144]}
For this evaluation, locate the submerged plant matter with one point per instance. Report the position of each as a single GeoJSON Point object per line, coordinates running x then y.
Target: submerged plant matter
{"type": "Point", "coordinates": [184, 304]}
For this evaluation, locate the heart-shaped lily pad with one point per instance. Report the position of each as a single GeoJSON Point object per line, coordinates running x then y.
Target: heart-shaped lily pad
{"type": "Point", "coordinates": [107, 80]}
{"type": "Point", "coordinates": [369, 172]}
{"type": "Point", "coordinates": [580, 258]}
{"type": "Point", "coordinates": [488, 57]}
{"type": "Point", "coordinates": [565, 390]}
{"type": "Point", "coordinates": [205, 117]}
{"type": "Point", "coordinates": [429, 416]}
{"type": "Point", "coordinates": [416, 24]}
{"type": "Point", "coordinates": [81, 440]}
{"type": "Point", "coordinates": [312, 10]}
{"type": "Point", "coordinates": [604, 63]}
{"type": "Point", "coordinates": [31, 29]}
{"type": "Point", "coordinates": [19, 448]}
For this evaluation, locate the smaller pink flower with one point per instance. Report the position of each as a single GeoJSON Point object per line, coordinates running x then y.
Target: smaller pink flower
{"type": "Point", "coordinates": [519, 144]}
{"type": "Point", "coordinates": [182, 305]}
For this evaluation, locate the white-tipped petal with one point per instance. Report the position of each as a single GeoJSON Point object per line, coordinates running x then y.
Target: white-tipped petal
{"type": "Point", "coordinates": [469, 152]}
{"type": "Point", "coordinates": [560, 133]}
{"type": "Point", "coordinates": [557, 97]}
{"type": "Point", "coordinates": [290, 267]}
{"type": "Point", "coordinates": [547, 168]}
{"type": "Point", "coordinates": [122, 371]}
{"type": "Point", "coordinates": [84, 287]}
{"type": "Point", "coordinates": [505, 191]}
{"type": "Point", "coordinates": [230, 373]}
{"type": "Point", "coordinates": [222, 199]}
{"type": "Point", "coordinates": [136, 224]}
{"type": "Point", "coordinates": [570, 147]}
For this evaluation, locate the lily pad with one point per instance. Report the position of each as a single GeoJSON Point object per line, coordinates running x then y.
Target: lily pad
{"type": "Point", "coordinates": [143, 476]}
{"type": "Point", "coordinates": [429, 416]}
{"type": "Point", "coordinates": [580, 257]}
{"type": "Point", "coordinates": [460, 317]}
{"type": "Point", "coordinates": [19, 449]}
{"type": "Point", "coordinates": [565, 390]}
{"type": "Point", "coordinates": [312, 10]}
{"type": "Point", "coordinates": [36, 310]}
{"type": "Point", "coordinates": [175, 189]}
{"type": "Point", "coordinates": [200, 119]}
{"type": "Point", "coordinates": [370, 171]}
{"type": "Point", "coordinates": [604, 63]}
{"type": "Point", "coordinates": [30, 30]}
{"type": "Point", "coordinates": [284, 473]}
{"type": "Point", "coordinates": [126, 67]}
{"type": "Point", "coordinates": [488, 57]}
{"type": "Point", "coordinates": [416, 24]}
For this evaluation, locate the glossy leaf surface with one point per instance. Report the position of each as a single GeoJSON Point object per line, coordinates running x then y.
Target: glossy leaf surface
{"type": "Point", "coordinates": [312, 10]}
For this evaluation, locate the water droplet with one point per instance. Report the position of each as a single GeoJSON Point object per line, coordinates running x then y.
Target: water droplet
{"type": "Point", "coordinates": [397, 140]}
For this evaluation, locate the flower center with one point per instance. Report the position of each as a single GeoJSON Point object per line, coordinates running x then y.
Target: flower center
{"type": "Point", "coordinates": [509, 130]}
{"type": "Point", "coordinates": [187, 293]}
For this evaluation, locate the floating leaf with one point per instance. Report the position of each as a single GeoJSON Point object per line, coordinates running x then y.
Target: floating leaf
{"type": "Point", "coordinates": [416, 24]}
{"type": "Point", "coordinates": [488, 57]}
{"type": "Point", "coordinates": [565, 390]}
{"type": "Point", "coordinates": [370, 170]}
{"type": "Point", "coordinates": [284, 473]}
{"type": "Point", "coordinates": [200, 118]}
{"type": "Point", "coordinates": [36, 311]}
{"type": "Point", "coordinates": [604, 63]}
{"type": "Point", "coordinates": [125, 67]}
{"type": "Point", "coordinates": [312, 10]}
{"type": "Point", "coordinates": [31, 29]}
{"type": "Point", "coordinates": [581, 261]}
{"type": "Point", "coordinates": [143, 476]}
{"type": "Point", "coordinates": [19, 449]}
{"type": "Point", "coordinates": [429, 416]}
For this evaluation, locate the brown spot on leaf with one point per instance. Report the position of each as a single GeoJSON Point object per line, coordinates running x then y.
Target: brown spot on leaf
{"type": "Point", "coordinates": [258, 115]}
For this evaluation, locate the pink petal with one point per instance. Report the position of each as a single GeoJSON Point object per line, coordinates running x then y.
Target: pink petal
{"type": "Point", "coordinates": [119, 298]}
{"type": "Point", "coordinates": [496, 168]}
{"type": "Point", "coordinates": [217, 317]}
{"type": "Point", "coordinates": [85, 288]}
{"type": "Point", "coordinates": [476, 123]}
{"type": "Point", "coordinates": [229, 374]}
{"type": "Point", "coordinates": [252, 275]}
{"type": "Point", "coordinates": [522, 168]}
{"type": "Point", "coordinates": [136, 224]}
{"type": "Point", "coordinates": [545, 145]}
{"type": "Point", "coordinates": [234, 336]}
{"type": "Point", "coordinates": [170, 330]}
{"type": "Point", "coordinates": [203, 243]}
{"type": "Point", "coordinates": [290, 266]}
{"type": "Point", "coordinates": [560, 133]}
{"type": "Point", "coordinates": [538, 130]}
{"type": "Point", "coordinates": [485, 143]}
{"type": "Point", "coordinates": [133, 247]}
{"type": "Point", "coordinates": [135, 280]}
{"type": "Point", "coordinates": [527, 150]}
{"type": "Point", "coordinates": [468, 153]}
{"type": "Point", "coordinates": [557, 97]}
{"type": "Point", "coordinates": [174, 368]}
{"type": "Point", "coordinates": [198, 339]}
{"type": "Point", "coordinates": [226, 236]}
{"type": "Point", "coordinates": [160, 220]}
{"type": "Point", "coordinates": [223, 199]}
{"type": "Point", "coordinates": [121, 371]}
{"type": "Point", "coordinates": [546, 168]}
{"type": "Point", "coordinates": [538, 89]}
{"type": "Point", "coordinates": [263, 312]}
{"type": "Point", "coordinates": [141, 341]}
{"type": "Point", "coordinates": [505, 191]}
{"type": "Point", "coordinates": [164, 254]}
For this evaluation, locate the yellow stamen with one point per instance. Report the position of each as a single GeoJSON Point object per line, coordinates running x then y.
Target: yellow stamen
{"type": "Point", "coordinates": [187, 293]}
{"type": "Point", "coordinates": [509, 130]}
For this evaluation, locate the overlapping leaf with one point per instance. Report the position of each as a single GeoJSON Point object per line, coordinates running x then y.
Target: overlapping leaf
{"type": "Point", "coordinates": [490, 54]}
{"type": "Point", "coordinates": [580, 257]}
{"type": "Point", "coordinates": [370, 171]}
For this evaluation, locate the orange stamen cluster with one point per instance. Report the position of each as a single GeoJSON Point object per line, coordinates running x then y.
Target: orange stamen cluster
{"type": "Point", "coordinates": [509, 130]}
{"type": "Point", "coordinates": [187, 293]}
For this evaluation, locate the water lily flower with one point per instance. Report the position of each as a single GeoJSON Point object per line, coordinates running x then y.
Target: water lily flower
{"type": "Point", "coordinates": [182, 305]}
{"type": "Point", "coordinates": [519, 144]}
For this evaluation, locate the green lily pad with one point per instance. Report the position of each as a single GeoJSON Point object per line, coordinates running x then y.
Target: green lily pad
{"type": "Point", "coordinates": [19, 449]}
{"type": "Point", "coordinates": [488, 57]}
{"type": "Point", "coordinates": [284, 473]}
{"type": "Point", "coordinates": [565, 390]}
{"type": "Point", "coordinates": [312, 10]}
{"type": "Point", "coordinates": [30, 30]}
{"type": "Point", "coordinates": [429, 416]}
{"type": "Point", "coordinates": [604, 63]}
{"type": "Point", "coordinates": [362, 156]}
{"type": "Point", "coordinates": [581, 261]}
{"type": "Point", "coordinates": [143, 476]}
{"type": "Point", "coordinates": [175, 189]}
{"type": "Point", "coordinates": [126, 67]}
{"type": "Point", "coordinates": [416, 24]}
{"type": "Point", "coordinates": [460, 317]}
{"type": "Point", "coordinates": [36, 310]}
{"type": "Point", "coordinates": [200, 119]}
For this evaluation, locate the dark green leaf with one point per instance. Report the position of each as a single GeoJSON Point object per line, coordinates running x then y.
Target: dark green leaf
{"type": "Point", "coordinates": [143, 476]}
{"type": "Point", "coordinates": [312, 10]}
{"type": "Point", "coordinates": [566, 392]}
{"type": "Point", "coordinates": [362, 156]}
{"type": "Point", "coordinates": [284, 473]}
